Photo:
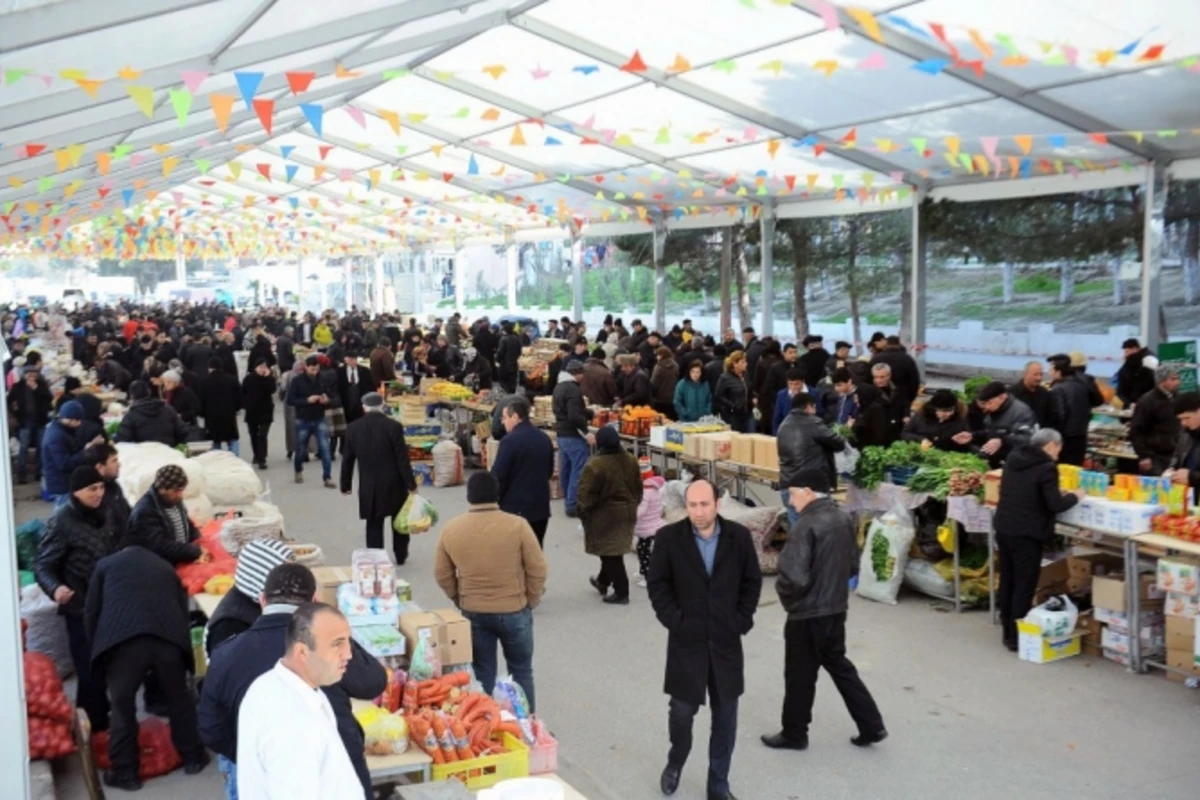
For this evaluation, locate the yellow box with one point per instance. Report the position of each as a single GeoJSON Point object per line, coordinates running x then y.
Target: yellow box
{"type": "Point", "coordinates": [1036, 649]}
{"type": "Point", "coordinates": [485, 771]}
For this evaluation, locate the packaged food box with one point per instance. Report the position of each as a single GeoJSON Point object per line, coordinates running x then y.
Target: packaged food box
{"type": "Point", "coordinates": [1181, 605]}
{"type": "Point", "coordinates": [373, 573]}
{"type": "Point", "coordinates": [1178, 575]}
{"type": "Point", "coordinates": [1038, 649]}
{"type": "Point", "coordinates": [1119, 620]}
{"type": "Point", "coordinates": [1152, 640]}
{"type": "Point", "coordinates": [1180, 633]}
{"type": "Point", "coordinates": [381, 641]}
{"type": "Point", "coordinates": [1120, 658]}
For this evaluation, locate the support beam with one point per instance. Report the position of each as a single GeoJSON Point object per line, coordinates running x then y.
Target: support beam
{"type": "Point", "coordinates": [767, 248]}
{"type": "Point", "coordinates": [50, 22]}
{"type": "Point", "coordinates": [1153, 205]}
{"type": "Point", "coordinates": [512, 255]}
{"type": "Point", "coordinates": [348, 277]}
{"type": "Point", "coordinates": [577, 277]}
{"type": "Point", "coordinates": [460, 279]}
{"type": "Point", "coordinates": [237, 33]}
{"type": "Point", "coordinates": [917, 251]}
{"type": "Point", "coordinates": [726, 275]}
{"type": "Point", "coordinates": [379, 296]}
{"type": "Point", "coordinates": [660, 276]}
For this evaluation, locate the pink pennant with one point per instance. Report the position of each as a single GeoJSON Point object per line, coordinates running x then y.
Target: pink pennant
{"type": "Point", "coordinates": [989, 145]}
{"type": "Point", "coordinates": [750, 134]}
{"type": "Point", "coordinates": [539, 73]}
{"type": "Point", "coordinates": [483, 143]}
{"type": "Point", "coordinates": [897, 176]}
{"type": "Point", "coordinates": [1073, 170]}
{"type": "Point", "coordinates": [134, 160]}
{"type": "Point", "coordinates": [204, 143]}
{"type": "Point", "coordinates": [192, 79]}
{"type": "Point", "coordinates": [590, 122]}
{"type": "Point", "coordinates": [345, 174]}
{"type": "Point", "coordinates": [874, 61]}
{"type": "Point", "coordinates": [829, 14]}
{"type": "Point", "coordinates": [358, 115]}
{"type": "Point", "coordinates": [997, 167]}
{"type": "Point", "coordinates": [177, 197]}
{"type": "Point", "coordinates": [1071, 53]}
{"type": "Point", "coordinates": [48, 80]}
{"type": "Point", "coordinates": [107, 186]}
{"type": "Point", "coordinates": [609, 134]}
{"type": "Point", "coordinates": [719, 192]}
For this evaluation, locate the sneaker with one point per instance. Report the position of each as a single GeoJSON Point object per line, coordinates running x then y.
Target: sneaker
{"type": "Point", "coordinates": [642, 582]}
{"type": "Point", "coordinates": [868, 739]}
{"type": "Point", "coordinates": [299, 477]}
{"type": "Point", "coordinates": [329, 484]}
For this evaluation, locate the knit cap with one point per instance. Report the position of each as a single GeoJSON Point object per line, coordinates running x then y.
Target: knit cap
{"type": "Point", "coordinates": [169, 476]}
{"type": "Point", "coordinates": [255, 562]}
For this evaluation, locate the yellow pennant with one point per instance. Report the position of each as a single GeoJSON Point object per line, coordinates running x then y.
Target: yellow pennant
{"type": "Point", "coordinates": [168, 165]}
{"type": "Point", "coordinates": [143, 97]}
{"type": "Point", "coordinates": [392, 118]}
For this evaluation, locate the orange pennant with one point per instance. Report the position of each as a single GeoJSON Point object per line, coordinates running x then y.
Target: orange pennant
{"type": "Point", "coordinates": [1025, 143]}
{"type": "Point", "coordinates": [392, 118]}
{"type": "Point", "coordinates": [680, 64]}
{"type": "Point", "coordinates": [319, 171]}
{"type": "Point", "coordinates": [103, 162]}
{"type": "Point", "coordinates": [518, 138]}
{"type": "Point", "coordinates": [772, 147]}
{"type": "Point", "coordinates": [341, 72]}
{"type": "Point", "coordinates": [635, 63]}
{"type": "Point", "coordinates": [222, 106]}
{"type": "Point", "coordinates": [89, 85]}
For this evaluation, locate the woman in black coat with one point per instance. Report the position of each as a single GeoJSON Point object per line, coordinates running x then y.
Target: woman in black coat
{"type": "Point", "coordinates": [221, 399]}
{"type": "Point", "coordinates": [732, 398]}
{"type": "Point", "coordinates": [258, 389]}
{"type": "Point", "coordinates": [262, 350]}
{"type": "Point", "coordinates": [942, 422]}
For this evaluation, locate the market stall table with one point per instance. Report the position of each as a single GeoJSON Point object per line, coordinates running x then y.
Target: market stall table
{"type": "Point", "coordinates": [207, 602]}
{"type": "Point", "coordinates": [386, 769]}
{"type": "Point", "coordinates": [1156, 545]}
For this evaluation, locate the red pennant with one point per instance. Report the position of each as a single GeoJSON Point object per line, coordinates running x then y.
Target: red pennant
{"type": "Point", "coordinates": [851, 137]}
{"type": "Point", "coordinates": [599, 179]}
{"type": "Point", "coordinates": [324, 150]}
{"type": "Point", "coordinates": [791, 181]}
{"type": "Point", "coordinates": [299, 81]}
{"type": "Point", "coordinates": [1153, 52]}
{"type": "Point", "coordinates": [1098, 138]}
{"type": "Point", "coordinates": [272, 198]}
{"type": "Point", "coordinates": [32, 150]}
{"type": "Point", "coordinates": [103, 192]}
{"type": "Point", "coordinates": [265, 109]}
{"type": "Point", "coordinates": [447, 176]}
{"type": "Point", "coordinates": [264, 170]}
{"type": "Point", "coordinates": [818, 148]}
{"type": "Point", "coordinates": [940, 33]}
{"type": "Point", "coordinates": [587, 140]}
{"type": "Point", "coordinates": [974, 66]}
{"type": "Point", "coordinates": [634, 64]}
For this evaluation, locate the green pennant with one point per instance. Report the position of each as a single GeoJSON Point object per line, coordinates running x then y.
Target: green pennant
{"type": "Point", "coordinates": [1167, 134]}
{"type": "Point", "coordinates": [202, 164]}
{"type": "Point", "coordinates": [619, 196]}
{"type": "Point", "coordinates": [726, 65]}
{"type": "Point", "coordinates": [11, 76]}
{"type": "Point", "coordinates": [8, 207]}
{"type": "Point", "coordinates": [44, 184]}
{"type": "Point", "coordinates": [1056, 60]}
{"type": "Point", "coordinates": [391, 74]}
{"type": "Point", "coordinates": [401, 149]}
{"type": "Point", "coordinates": [966, 161]}
{"type": "Point", "coordinates": [462, 113]}
{"type": "Point", "coordinates": [838, 179]}
{"type": "Point", "coordinates": [761, 190]}
{"type": "Point", "coordinates": [1007, 43]}
{"type": "Point", "coordinates": [918, 144]}
{"type": "Point", "coordinates": [181, 101]}
{"type": "Point", "coordinates": [122, 150]}
{"type": "Point", "coordinates": [663, 137]}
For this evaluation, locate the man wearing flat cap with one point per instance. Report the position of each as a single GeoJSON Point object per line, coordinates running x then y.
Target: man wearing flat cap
{"type": "Point", "coordinates": [1007, 423]}
{"type": "Point", "coordinates": [814, 574]}
{"type": "Point", "coordinates": [160, 520]}
{"type": "Point", "coordinates": [383, 486]}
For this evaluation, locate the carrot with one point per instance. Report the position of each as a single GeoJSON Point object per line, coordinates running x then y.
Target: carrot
{"type": "Point", "coordinates": [442, 732]}
{"type": "Point", "coordinates": [461, 742]}
{"type": "Point", "coordinates": [457, 679]}
{"type": "Point", "coordinates": [422, 733]}
{"type": "Point", "coordinates": [509, 727]}
{"type": "Point", "coordinates": [468, 703]}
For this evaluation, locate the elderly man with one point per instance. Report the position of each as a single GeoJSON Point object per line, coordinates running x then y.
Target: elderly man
{"type": "Point", "coordinates": [1007, 423]}
{"type": "Point", "coordinates": [1154, 429]}
{"type": "Point", "coordinates": [1030, 391]}
{"type": "Point", "coordinates": [288, 743]}
{"type": "Point", "coordinates": [490, 564]}
{"type": "Point", "coordinates": [634, 385]}
{"type": "Point", "coordinates": [160, 519]}
{"type": "Point", "coordinates": [308, 397]}
{"type": "Point", "coordinates": [524, 464]}
{"type": "Point", "coordinates": [704, 583]}
{"type": "Point", "coordinates": [178, 396]}
{"type": "Point", "coordinates": [883, 410]}
{"type": "Point", "coordinates": [814, 573]}
{"type": "Point", "coordinates": [1185, 465]}
{"type": "Point", "coordinates": [385, 476]}
{"type": "Point", "coordinates": [1030, 499]}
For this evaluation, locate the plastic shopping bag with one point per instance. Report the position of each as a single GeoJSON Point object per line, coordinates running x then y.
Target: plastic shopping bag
{"type": "Point", "coordinates": [885, 555]}
{"type": "Point", "coordinates": [386, 734]}
{"type": "Point", "coordinates": [845, 461]}
{"type": "Point", "coordinates": [417, 516]}
{"type": "Point", "coordinates": [1056, 617]}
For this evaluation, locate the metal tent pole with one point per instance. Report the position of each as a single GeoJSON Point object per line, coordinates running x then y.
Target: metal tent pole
{"type": "Point", "coordinates": [767, 227]}
{"type": "Point", "coordinates": [1153, 206]}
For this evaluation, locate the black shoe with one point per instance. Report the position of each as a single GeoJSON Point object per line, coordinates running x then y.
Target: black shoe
{"type": "Point", "coordinates": [122, 783]}
{"type": "Point", "coordinates": [595, 582]}
{"type": "Point", "coordinates": [868, 739]}
{"type": "Point", "coordinates": [617, 600]}
{"type": "Point", "coordinates": [721, 796]}
{"type": "Point", "coordinates": [1011, 645]}
{"type": "Point", "coordinates": [778, 741]}
{"type": "Point", "coordinates": [197, 766]}
{"type": "Point", "coordinates": [571, 513]}
{"type": "Point", "coordinates": [669, 781]}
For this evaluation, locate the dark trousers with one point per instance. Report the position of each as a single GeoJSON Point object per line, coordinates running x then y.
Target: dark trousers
{"type": "Point", "coordinates": [1020, 567]}
{"type": "Point", "coordinates": [539, 530]}
{"type": "Point", "coordinates": [89, 691]}
{"type": "Point", "coordinates": [612, 573]}
{"type": "Point", "coordinates": [645, 549]}
{"type": "Point", "coordinates": [514, 633]}
{"type": "Point", "coordinates": [375, 539]}
{"type": "Point", "coordinates": [721, 739]}
{"type": "Point", "coordinates": [1074, 448]}
{"type": "Point", "coordinates": [809, 645]}
{"type": "Point", "coordinates": [258, 440]}
{"type": "Point", "coordinates": [126, 666]}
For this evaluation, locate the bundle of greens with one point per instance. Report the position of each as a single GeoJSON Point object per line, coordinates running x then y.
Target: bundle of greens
{"type": "Point", "coordinates": [972, 386]}
{"type": "Point", "coordinates": [940, 473]}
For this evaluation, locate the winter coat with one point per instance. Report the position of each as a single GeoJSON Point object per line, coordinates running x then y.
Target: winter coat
{"type": "Point", "coordinates": [754, 351]}
{"type": "Point", "coordinates": [111, 373]}
{"type": "Point", "coordinates": [1013, 424]}
{"type": "Point", "coordinates": [635, 389]}
{"type": "Point", "coordinates": [663, 380]}
{"type": "Point", "coordinates": [713, 371]}
{"type": "Point", "coordinates": [1072, 406]}
{"type": "Point", "coordinates": [386, 476]}
{"type": "Point", "coordinates": [152, 420]}
{"type": "Point", "coordinates": [649, 512]}
{"type": "Point", "coordinates": [93, 419]}
{"type": "Point", "coordinates": [507, 354]}
{"type": "Point", "coordinates": [196, 358]}
{"type": "Point", "coordinates": [766, 363]}
{"type": "Point", "coordinates": [383, 366]}
{"type": "Point", "coordinates": [60, 455]}
{"type": "Point", "coordinates": [1039, 400]}
{"type": "Point", "coordinates": [233, 616]}
{"type": "Point", "coordinates": [906, 376]}
{"type": "Point", "coordinates": [705, 615]}
{"type": "Point", "coordinates": [598, 384]}
{"type": "Point", "coordinates": [609, 493]}
{"type": "Point", "coordinates": [486, 343]}
{"type": "Point", "coordinates": [260, 350]}
{"type": "Point", "coordinates": [783, 406]}
{"type": "Point", "coordinates": [258, 397]}
{"type": "Point", "coordinates": [135, 593]}
{"type": "Point", "coordinates": [221, 399]}
{"type": "Point", "coordinates": [924, 425]}
{"type": "Point", "coordinates": [1154, 429]}
{"type": "Point", "coordinates": [300, 388]}
{"type": "Point", "coordinates": [476, 374]}
{"type": "Point", "coordinates": [804, 443]}
{"type": "Point", "coordinates": [455, 335]}
{"type": "Point", "coordinates": [524, 464]}
{"type": "Point", "coordinates": [1029, 495]}
{"type": "Point", "coordinates": [570, 410]}
{"type": "Point", "coordinates": [286, 353]}
{"type": "Point", "coordinates": [693, 399]}
{"type": "Point", "coordinates": [30, 406]}
{"type": "Point", "coordinates": [186, 404]}
{"type": "Point", "coordinates": [814, 363]}
{"type": "Point", "coordinates": [816, 563]}
{"type": "Point", "coordinates": [76, 538]}
{"type": "Point", "coordinates": [731, 399]}
{"type": "Point", "coordinates": [150, 524]}
{"type": "Point", "coordinates": [1187, 456]}
{"type": "Point", "coordinates": [881, 417]}
{"type": "Point", "coordinates": [1134, 378]}
{"type": "Point", "coordinates": [352, 394]}
{"type": "Point", "coordinates": [116, 509]}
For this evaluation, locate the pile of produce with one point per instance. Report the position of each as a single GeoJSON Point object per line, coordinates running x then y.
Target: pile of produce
{"type": "Point", "coordinates": [47, 710]}
{"type": "Point", "coordinates": [445, 390]}
{"type": "Point", "coordinates": [972, 386]}
{"type": "Point", "coordinates": [939, 473]}
{"type": "Point", "coordinates": [637, 420]}
{"type": "Point", "coordinates": [1180, 527]}
{"type": "Point", "coordinates": [156, 752]}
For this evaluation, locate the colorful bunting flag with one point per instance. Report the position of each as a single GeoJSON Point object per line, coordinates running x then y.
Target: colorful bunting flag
{"type": "Point", "coordinates": [248, 83]}
{"type": "Point", "coordinates": [314, 114]}
{"type": "Point", "coordinates": [181, 101]}
{"type": "Point", "coordinates": [867, 21]}
{"type": "Point", "coordinates": [680, 64]}
{"type": "Point", "coordinates": [392, 118]}
{"type": "Point", "coordinates": [358, 115]}
{"type": "Point", "coordinates": [89, 86]}
{"type": "Point", "coordinates": [143, 97]}
{"type": "Point", "coordinates": [222, 107]}
{"type": "Point", "coordinates": [635, 63]}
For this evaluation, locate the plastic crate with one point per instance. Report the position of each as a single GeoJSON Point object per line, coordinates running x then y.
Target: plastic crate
{"type": "Point", "coordinates": [543, 758]}
{"type": "Point", "coordinates": [899, 475]}
{"type": "Point", "coordinates": [487, 771]}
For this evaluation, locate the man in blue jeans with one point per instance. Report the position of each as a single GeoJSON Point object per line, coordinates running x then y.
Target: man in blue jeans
{"type": "Point", "coordinates": [310, 401]}
{"type": "Point", "coordinates": [571, 425]}
{"type": "Point", "coordinates": [489, 563]}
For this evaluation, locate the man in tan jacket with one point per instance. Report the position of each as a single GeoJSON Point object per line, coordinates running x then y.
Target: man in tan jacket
{"type": "Point", "coordinates": [489, 563]}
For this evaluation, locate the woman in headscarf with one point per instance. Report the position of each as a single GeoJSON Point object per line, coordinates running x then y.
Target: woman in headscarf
{"type": "Point", "coordinates": [609, 492]}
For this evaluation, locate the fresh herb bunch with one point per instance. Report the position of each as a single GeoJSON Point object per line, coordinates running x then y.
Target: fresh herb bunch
{"type": "Point", "coordinates": [935, 467]}
{"type": "Point", "coordinates": [972, 386]}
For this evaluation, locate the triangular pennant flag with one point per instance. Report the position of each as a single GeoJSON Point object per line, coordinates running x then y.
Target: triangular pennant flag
{"type": "Point", "coordinates": [103, 162]}
{"type": "Point", "coordinates": [635, 63]}
{"type": "Point", "coordinates": [874, 61]}
{"type": "Point", "coordinates": [339, 71]}
{"type": "Point", "coordinates": [168, 165]}
{"type": "Point", "coordinates": [45, 184]}
{"type": "Point", "coordinates": [323, 150]}
{"type": "Point", "coordinates": [128, 73]}
{"type": "Point", "coordinates": [1098, 138]}
{"type": "Point", "coordinates": [518, 138]}
{"type": "Point", "coordinates": [358, 115]}
{"type": "Point", "coordinates": [127, 196]}
{"type": "Point", "coordinates": [143, 97]}
{"type": "Point", "coordinates": [775, 66]}
{"type": "Point", "coordinates": [828, 66]}
{"type": "Point", "coordinates": [1153, 53]}
{"type": "Point", "coordinates": [72, 74]}
{"type": "Point", "coordinates": [551, 141]}
{"type": "Point", "coordinates": [772, 147]}
{"type": "Point", "coordinates": [248, 83]}
{"type": "Point", "coordinates": [932, 66]}
{"type": "Point", "coordinates": [32, 150]}
{"type": "Point", "coordinates": [75, 152]}
{"type": "Point", "coordinates": [62, 159]}
{"type": "Point", "coordinates": [11, 76]}
{"type": "Point", "coordinates": [1024, 142]}
{"type": "Point", "coordinates": [319, 172]}
{"type": "Point", "coordinates": [314, 114]}
{"type": "Point", "coordinates": [472, 166]}
{"type": "Point", "coordinates": [290, 171]}
{"type": "Point", "coordinates": [373, 174]}
{"type": "Point", "coordinates": [88, 85]}
{"type": "Point", "coordinates": [299, 81]}
{"type": "Point", "coordinates": [952, 144]}
{"type": "Point", "coordinates": [850, 139]}
{"type": "Point", "coordinates": [181, 101]}
{"type": "Point", "coordinates": [235, 169]}
{"type": "Point", "coordinates": [222, 107]}
{"type": "Point", "coordinates": [202, 165]}
{"type": "Point", "coordinates": [264, 170]}
{"type": "Point", "coordinates": [392, 74]}
{"type": "Point", "coordinates": [989, 145]}
{"type": "Point", "coordinates": [71, 188]}
{"type": "Point", "coordinates": [193, 79]}
{"type": "Point", "coordinates": [286, 150]}
{"type": "Point", "coordinates": [867, 20]}
{"type": "Point", "coordinates": [495, 70]}
{"type": "Point", "coordinates": [1103, 57]}
{"type": "Point", "coordinates": [265, 108]}
{"type": "Point", "coordinates": [726, 65]}
{"type": "Point", "coordinates": [392, 118]}
{"type": "Point", "coordinates": [680, 64]}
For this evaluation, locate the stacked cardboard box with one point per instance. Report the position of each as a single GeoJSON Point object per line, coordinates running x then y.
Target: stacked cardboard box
{"type": "Point", "coordinates": [1110, 609]}
{"type": "Point", "coordinates": [1178, 578]}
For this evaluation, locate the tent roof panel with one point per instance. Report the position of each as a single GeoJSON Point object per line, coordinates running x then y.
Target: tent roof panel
{"type": "Point", "coordinates": [295, 16]}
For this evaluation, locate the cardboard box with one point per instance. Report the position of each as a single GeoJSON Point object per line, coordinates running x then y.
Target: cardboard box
{"type": "Point", "coordinates": [1081, 569]}
{"type": "Point", "coordinates": [1179, 575]}
{"type": "Point", "coordinates": [742, 449]}
{"type": "Point", "coordinates": [328, 581]}
{"type": "Point", "coordinates": [1052, 580]}
{"type": "Point", "coordinates": [1120, 620]}
{"type": "Point", "coordinates": [451, 633]}
{"type": "Point", "coordinates": [1182, 660]}
{"type": "Point", "coordinates": [714, 446]}
{"type": "Point", "coordinates": [766, 451]}
{"type": "Point", "coordinates": [1180, 634]}
{"type": "Point", "coordinates": [991, 487]}
{"type": "Point", "coordinates": [1036, 649]}
{"type": "Point", "coordinates": [1151, 639]}
{"type": "Point", "coordinates": [1090, 627]}
{"type": "Point", "coordinates": [1113, 655]}
{"type": "Point", "coordinates": [1110, 592]}
{"type": "Point", "coordinates": [1181, 605]}
{"type": "Point", "coordinates": [490, 450]}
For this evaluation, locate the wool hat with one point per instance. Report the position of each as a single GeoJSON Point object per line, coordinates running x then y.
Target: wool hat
{"type": "Point", "coordinates": [1078, 359]}
{"type": "Point", "coordinates": [83, 477]}
{"type": "Point", "coordinates": [943, 399]}
{"type": "Point", "coordinates": [71, 410]}
{"type": "Point", "coordinates": [255, 562]}
{"type": "Point", "coordinates": [575, 367]}
{"type": "Point", "coordinates": [170, 476]}
{"type": "Point", "coordinates": [814, 479]}
{"type": "Point", "coordinates": [372, 400]}
{"type": "Point", "coordinates": [482, 487]}
{"type": "Point", "coordinates": [607, 438]}
{"type": "Point", "coordinates": [645, 467]}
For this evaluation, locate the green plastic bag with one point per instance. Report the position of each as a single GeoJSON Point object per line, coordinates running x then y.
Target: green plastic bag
{"type": "Point", "coordinates": [416, 516]}
{"type": "Point", "coordinates": [28, 537]}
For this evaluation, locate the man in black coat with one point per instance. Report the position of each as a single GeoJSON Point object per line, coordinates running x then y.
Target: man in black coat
{"type": "Point", "coordinates": [285, 351]}
{"type": "Point", "coordinates": [704, 583]}
{"type": "Point", "coordinates": [224, 351]}
{"type": "Point", "coordinates": [242, 660]}
{"type": "Point", "coordinates": [1072, 409]}
{"type": "Point", "coordinates": [1025, 518]}
{"type": "Point", "coordinates": [149, 419]}
{"type": "Point", "coordinates": [754, 348]}
{"type": "Point", "coordinates": [1185, 464]}
{"type": "Point", "coordinates": [180, 397]}
{"type": "Point", "coordinates": [814, 360]}
{"type": "Point", "coordinates": [814, 573]}
{"type": "Point", "coordinates": [1154, 428]}
{"type": "Point", "coordinates": [258, 390]}
{"type": "Point", "coordinates": [715, 368]}
{"type": "Point", "coordinates": [354, 383]}
{"type": "Point", "coordinates": [387, 477]}
{"type": "Point", "coordinates": [1030, 391]}
{"type": "Point", "coordinates": [635, 384]}
{"type": "Point", "coordinates": [29, 401]}
{"type": "Point", "coordinates": [138, 622]}
{"type": "Point", "coordinates": [524, 464]}
{"type": "Point", "coordinates": [906, 376]}
{"type": "Point", "coordinates": [1134, 378]}
{"type": "Point", "coordinates": [507, 354]}
{"type": "Point", "coordinates": [107, 461]}
{"type": "Point", "coordinates": [197, 356]}
{"type": "Point", "coordinates": [221, 399]}
{"type": "Point", "coordinates": [160, 520]}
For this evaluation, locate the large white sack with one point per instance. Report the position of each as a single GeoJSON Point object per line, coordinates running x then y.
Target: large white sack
{"type": "Point", "coordinates": [200, 509]}
{"type": "Point", "coordinates": [228, 480]}
{"type": "Point", "coordinates": [139, 462]}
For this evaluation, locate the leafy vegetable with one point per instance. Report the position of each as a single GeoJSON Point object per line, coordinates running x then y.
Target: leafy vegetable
{"type": "Point", "coordinates": [972, 386]}
{"type": "Point", "coordinates": [881, 563]}
{"type": "Point", "coordinates": [936, 468]}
